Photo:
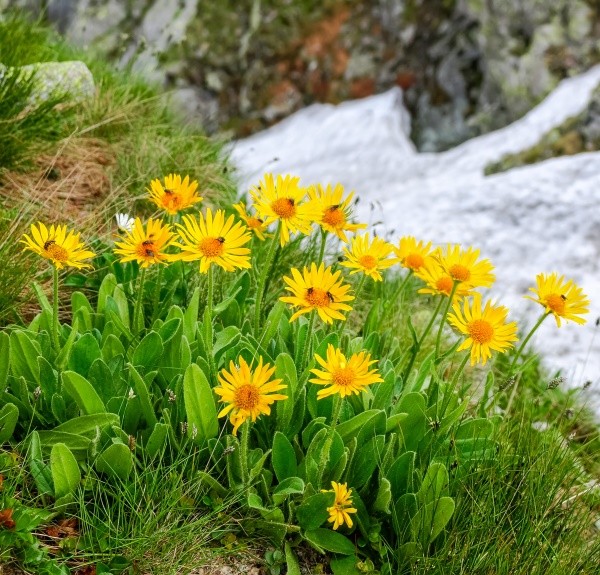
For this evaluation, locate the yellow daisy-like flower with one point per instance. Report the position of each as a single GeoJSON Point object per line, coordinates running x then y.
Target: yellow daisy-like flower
{"type": "Point", "coordinates": [368, 257]}
{"type": "Point", "coordinates": [339, 512]}
{"type": "Point", "coordinates": [439, 282]}
{"type": "Point", "coordinates": [344, 376]}
{"type": "Point", "coordinates": [248, 393]}
{"type": "Point", "coordinates": [335, 210]}
{"type": "Point", "coordinates": [318, 289]}
{"type": "Point", "coordinates": [281, 200]}
{"type": "Point", "coordinates": [175, 195]}
{"type": "Point", "coordinates": [146, 245]}
{"type": "Point", "coordinates": [255, 224]}
{"type": "Point", "coordinates": [486, 329]}
{"type": "Point", "coordinates": [55, 244]}
{"type": "Point", "coordinates": [463, 266]}
{"type": "Point", "coordinates": [412, 254]}
{"type": "Point", "coordinates": [563, 299]}
{"type": "Point", "coordinates": [214, 240]}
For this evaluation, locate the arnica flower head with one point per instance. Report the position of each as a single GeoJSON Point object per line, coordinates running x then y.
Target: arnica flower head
{"type": "Point", "coordinates": [176, 195]}
{"type": "Point", "coordinates": [339, 512]}
{"type": "Point", "coordinates": [258, 226]}
{"type": "Point", "coordinates": [412, 254]}
{"type": "Point", "coordinates": [368, 257]}
{"type": "Point", "coordinates": [563, 299]}
{"type": "Point", "coordinates": [439, 282]}
{"type": "Point", "coordinates": [146, 245]}
{"type": "Point", "coordinates": [486, 328]}
{"type": "Point", "coordinates": [464, 267]}
{"type": "Point", "coordinates": [280, 199]}
{"type": "Point", "coordinates": [344, 377]}
{"type": "Point", "coordinates": [318, 289]}
{"type": "Point", "coordinates": [247, 392]}
{"type": "Point", "coordinates": [124, 222]}
{"type": "Point", "coordinates": [62, 248]}
{"type": "Point", "coordinates": [335, 210]}
{"type": "Point", "coordinates": [214, 240]}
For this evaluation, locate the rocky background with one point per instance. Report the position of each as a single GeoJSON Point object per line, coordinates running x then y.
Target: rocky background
{"type": "Point", "coordinates": [466, 66]}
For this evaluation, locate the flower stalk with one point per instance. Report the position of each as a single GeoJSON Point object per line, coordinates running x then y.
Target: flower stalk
{"type": "Point", "coordinates": [55, 322]}
{"type": "Point", "coordinates": [444, 317]}
{"type": "Point", "coordinates": [262, 279]}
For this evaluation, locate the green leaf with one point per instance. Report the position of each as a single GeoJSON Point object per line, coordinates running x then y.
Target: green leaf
{"type": "Point", "coordinates": [400, 474]}
{"type": "Point", "coordinates": [434, 485]}
{"type": "Point", "coordinates": [431, 519]}
{"type": "Point", "coordinates": [65, 471]}
{"type": "Point", "coordinates": [272, 321]}
{"type": "Point", "coordinates": [78, 444]}
{"type": "Point", "coordinates": [116, 461]}
{"type": "Point", "coordinates": [190, 318]}
{"type": "Point", "coordinates": [384, 497]}
{"type": "Point", "coordinates": [4, 358]}
{"type": "Point", "coordinates": [200, 405]}
{"type": "Point", "coordinates": [107, 288]}
{"type": "Point", "coordinates": [210, 482]}
{"type": "Point", "coordinates": [157, 439]}
{"type": "Point", "coordinates": [365, 461]}
{"type": "Point", "coordinates": [143, 395]}
{"type": "Point", "coordinates": [85, 350]}
{"type": "Point", "coordinates": [329, 540]}
{"type": "Point", "coordinates": [283, 457]}
{"type": "Point", "coordinates": [412, 429]}
{"type": "Point", "coordinates": [286, 371]}
{"type": "Point", "coordinates": [169, 329]}
{"type": "Point", "coordinates": [349, 429]}
{"type": "Point", "coordinates": [313, 512]}
{"type": "Point", "coordinates": [23, 357]}
{"type": "Point", "coordinates": [87, 424]}
{"type": "Point", "coordinates": [39, 470]}
{"type": "Point", "coordinates": [225, 339]}
{"type": "Point", "coordinates": [289, 486]}
{"type": "Point", "coordinates": [291, 561]}
{"type": "Point", "coordinates": [9, 415]}
{"type": "Point", "coordinates": [82, 391]}
{"type": "Point", "coordinates": [65, 352]}
{"type": "Point", "coordinates": [148, 352]}
{"type": "Point", "coordinates": [475, 429]}
{"type": "Point", "coordinates": [345, 566]}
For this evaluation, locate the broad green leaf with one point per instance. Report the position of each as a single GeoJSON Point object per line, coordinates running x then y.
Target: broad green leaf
{"type": "Point", "coordinates": [384, 497]}
{"type": "Point", "coordinates": [329, 540]}
{"type": "Point", "coordinates": [210, 482]}
{"type": "Point", "coordinates": [157, 439]}
{"type": "Point", "coordinates": [190, 318]}
{"type": "Point", "coordinates": [283, 457]}
{"type": "Point", "coordinates": [349, 429]}
{"type": "Point", "coordinates": [289, 486]}
{"type": "Point", "coordinates": [148, 352]}
{"type": "Point", "coordinates": [291, 561]}
{"type": "Point", "coordinates": [112, 347]}
{"type": "Point", "coordinates": [65, 470]}
{"type": "Point", "coordinates": [286, 371]}
{"type": "Point", "coordinates": [474, 429]}
{"type": "Point", "coordinates": [345, 566]}
{"type": "Point", "coordinates": [400, 474]}
{"type": "Point", "coordinates": [23, 357]}
{"type": "Point", "coordinates": [312, 513]}
{"type": "Point", "coordinates": [107, 288]}
{"type": "Point", "coordinates": [412, 429]}
{"type": "Point", "coordinates": [200, 405]}
{"type": "Point", "coordinates": [82, 391]}
{"type": "Point", "coordinates": [365, 461]}
{"type": "Point", "coordinates": [116, 460]}
{"type": "Point", "coordinates": [168, 330]}
{"type": "Point", "coordinates": [78, 444]}
{"type": "Point", "coordinates": [84, 352]}
{"type": "Point", "coordinates": [87, 424]}
{"type": "Point", "coordinates": [4, 358]}
{"type": "Point", "coordinates": [65, 352]}
{"type": "Point", "coordinates": [431, 519]}
{"type": "Point", "coordinates": [9, 415]}
{"type": "Point", "coordinates": [434, 485]}
{"type": "Point", "coordinates": [40, 472]}
{"type": "Point", "coordinates": [143, 396]}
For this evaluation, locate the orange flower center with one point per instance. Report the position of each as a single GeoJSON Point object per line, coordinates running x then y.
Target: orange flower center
{"type": "Point", "coordinates": [556, 303]}
{"type": "Point", "coordinates": [284, 207]}
{"type": "Point", "coordinates": [316, 297]}
{"type": "Point", "coordinates": [171, 201]}
{"type": "Point", "coordinates": [56, 252]}
{"type": "Point", "coordinates": [211, 247]}
{"type": "Point", "coordinates": [480, 330]}
{"type": "Point", "coordinates": [444, 284]}
{"type": "Point", "coordinates": [247, 396]}
{"type": "Point", "coordinates": [368, 262]}
{"type": "Point", "coordinates": [459, 273]}
{"type": "Point", "coordinates": [344, 376]}
{"type": "Point", "coordinates": [414, 261]}
{"type": "Point", "coordinates": [254, 223]}
{"type": "Point", "coordinates": [146, 250]}
{"type": "Point", "coordinates": [334, 217]}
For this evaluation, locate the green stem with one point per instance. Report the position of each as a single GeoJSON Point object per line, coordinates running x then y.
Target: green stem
{"type": "Point", "coordinates": [526, 340]}
{"type": "Point", "coordinates": [244, 451]}
{"type": "Point", "coordinates": [138, 303]}
{"type": "Point", "coordinates": [400, 290]}
{"type": "Point", "coordinates": [443, 322]}
{"type": "Point", "coordinates": [324, 459]}
{"type": "Point", "coordinates": [55, 322]}
{"type": "Point", "coordinates": [361, 284]}
{"type": "Point", "coordinates": [453, 382]}
{"type": "Point", "coordinates": [209, 336]}
{"type": "Point", "coordinates": [420, 341]}
{"type": "Point", "coordinates": [323, 243]}
{"type": "Point", "coordinates": [156, 296]}
{"type": "Point", "coordinates": [307, 342]}
{"type": "Point", "coordinates": [260, 286]}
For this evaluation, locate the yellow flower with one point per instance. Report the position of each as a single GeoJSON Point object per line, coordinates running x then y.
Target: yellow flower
{"type": "Point", "coordinates": [563, 299]}
{"type": "Point", "coordinates": [368, 257]}
{"type": "Point", "coordinates": [257, 225]}
{"type": "Point", "coordinates": [214, 240]}
{"type": "Point", "coordinates": [486, 329]}
{"type": "Point", "coordinates": [335, 211]}
{"type": "Point", "coordinates": [146, 246]}
{"type": "Point", "coordinates": [248, 393]}
{"type": "Point", "coordinates": [318, 289]}
{"type": "Point", "coordinates": [281, 200]}
{"type": "Point", "coordinates": [411, 253]}
{"type": "Point", "coordinates": [463, 267]}
{"type": "Point", "coordinates": [344, 376]}
{"type": "Point", "coordinates": [339, 512]}
{"type": "Point", "coordinates": [176, 195]}
{"type": "Point", "coordinates": [438, 281]}
{"type": "Point", "coordinates": [58, 246]}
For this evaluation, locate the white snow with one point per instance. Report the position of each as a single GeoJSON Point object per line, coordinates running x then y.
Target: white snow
{"type": "Point", "coordinates": [539, 218]}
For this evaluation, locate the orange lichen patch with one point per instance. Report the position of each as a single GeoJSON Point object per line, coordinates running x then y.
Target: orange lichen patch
{"type": "Point", "coordinates": [326, 33]}
{"type": "Point", "coordinates": [71, 184]}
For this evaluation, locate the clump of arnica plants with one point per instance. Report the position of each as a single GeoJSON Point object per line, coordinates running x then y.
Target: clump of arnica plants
{"type": "Point", "coordinates": [257, 355]}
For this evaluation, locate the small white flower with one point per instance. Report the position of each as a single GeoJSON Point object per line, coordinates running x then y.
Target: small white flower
{"type": "Point", "coordinates": [124, 222]}
{"type": "Point", "coordinates": [131, 394]}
